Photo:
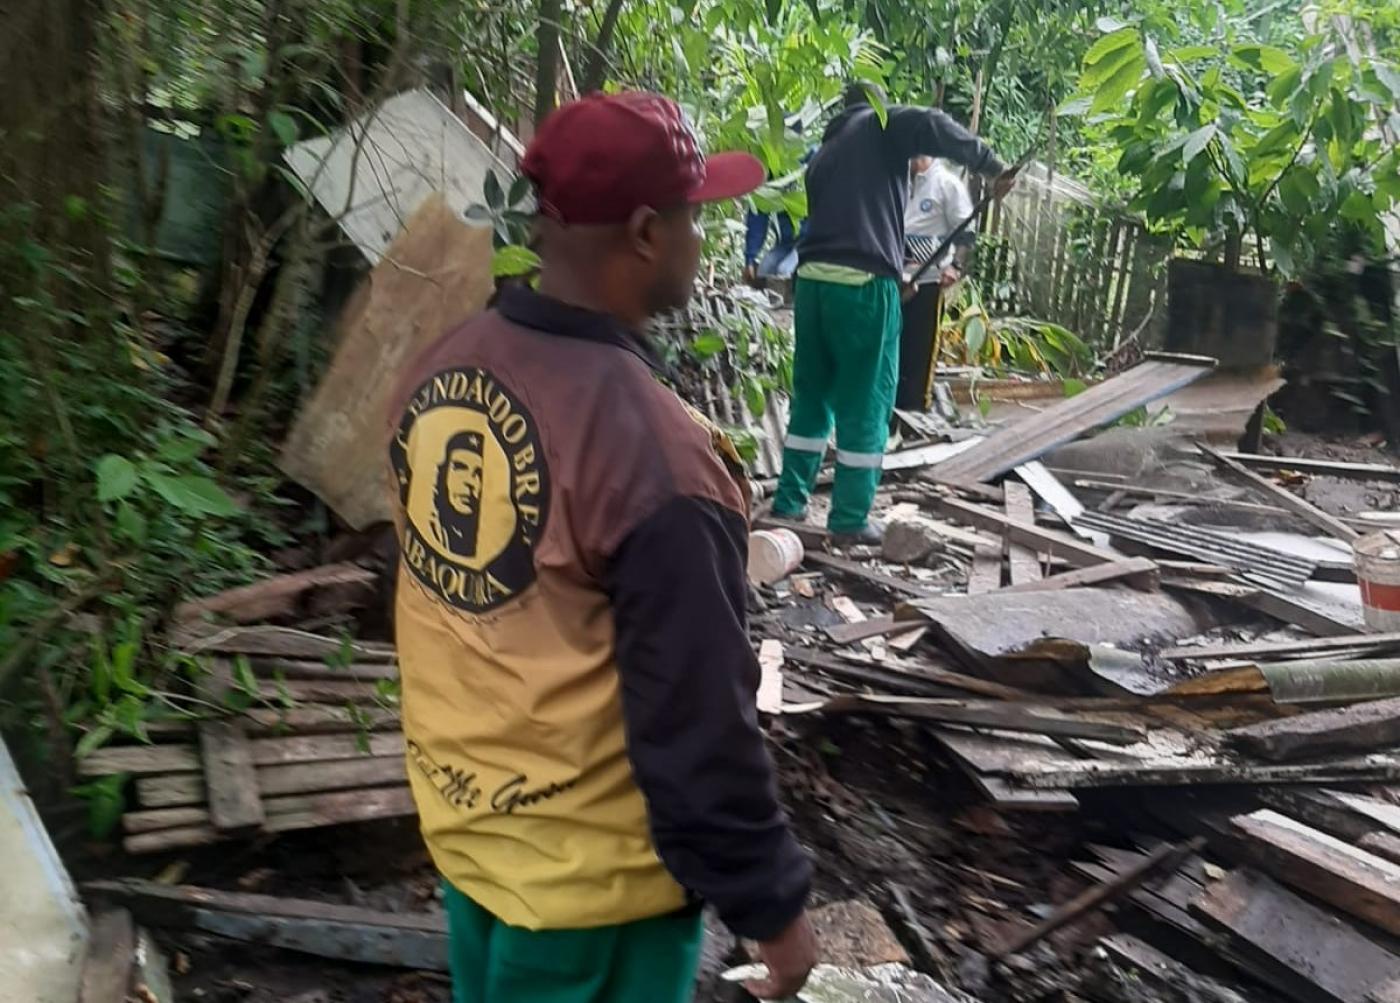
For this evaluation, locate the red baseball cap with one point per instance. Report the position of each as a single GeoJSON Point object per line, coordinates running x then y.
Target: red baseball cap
{"type": "Point", "coordinates": [600, 158]}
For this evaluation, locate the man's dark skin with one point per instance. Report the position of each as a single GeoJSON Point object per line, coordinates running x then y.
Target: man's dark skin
{"type": "Point", "coordinates": [634, 271]}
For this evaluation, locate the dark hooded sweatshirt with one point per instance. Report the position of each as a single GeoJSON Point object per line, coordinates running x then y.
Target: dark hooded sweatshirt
{"type": "Point", "coordinates": [858, 183]}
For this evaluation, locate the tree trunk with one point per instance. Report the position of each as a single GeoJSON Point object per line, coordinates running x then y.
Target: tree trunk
{"type": "Point", "coordinates": [598, 59]}
{"type": "Point", "coordinates": [547, 68]}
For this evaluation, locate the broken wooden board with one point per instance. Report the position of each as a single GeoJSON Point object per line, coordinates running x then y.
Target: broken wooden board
{"type": "Point", "coordinates": [1314, 946]}
{"type": "Point", "coordinates": [1007, 623]}
{"type": "Point", "coordinates": [984, 573]}
{"type": "Point", "coordinates": [176, 790]}
{"type": "Point", "coordinates": [1322, 468]}
{"type": "Point", "coordinates": [989, 759]}
{"type": "Point", "coordinates": [286, 642]}
{"type": "Point", "coordinates": [232, 785]}
{"type": "Point", "coordinates": [148, 759]}
{"type": "Point", "coordinates": [1067, 548]}
{"type": "Point", "coordinates": [1140, 973]}
{"type": "Point", "coordinates": [190, 826]}
{"type": "Point", "coordinates": [348, 933]}
{"type": "Point", "coordinates": [1200, 768]}
{"type": "Point", "coordinates": [1357, 727]}
{"type": "Point", "coordinates": [278, 596]}
{"type": "Point", "coordinates": [855, 569]}
{"type": "Point", "coordinates": [1359, 883]}
{"type": "Point", "coordinates": [1023, 565]}
{"type": "Point", "coordinates": [1002, 716]}
{"type": "Point", "coordinates": [1069, 418]}
{"type": "Point", "coordinates": [434, 276]}
{"type": "Point", "coordinates": [1139, 572]}
{"type": "Point", "coordinates": [770, 683]}
{"type": "Point", "coordinates": [1284, 498]}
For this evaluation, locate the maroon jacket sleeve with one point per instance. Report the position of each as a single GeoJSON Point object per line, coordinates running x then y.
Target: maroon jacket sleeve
{"type": "Point", "coordinates": [689, 678]}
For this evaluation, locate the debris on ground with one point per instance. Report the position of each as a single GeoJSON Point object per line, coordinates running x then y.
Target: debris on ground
{"type": "Point", "coordinates": [1112, 733]}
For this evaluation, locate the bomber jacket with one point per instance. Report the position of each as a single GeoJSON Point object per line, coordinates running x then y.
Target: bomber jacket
{"type": "Point", "coordinates": [578, 687]}
{"type": "Point", "coordinates": [858, 183]}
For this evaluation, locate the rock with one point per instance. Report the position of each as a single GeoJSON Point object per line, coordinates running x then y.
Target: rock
{"type": "Point", "coordinates": [910, 540]}
{"type": "Point", "coordinates": [853, 934]}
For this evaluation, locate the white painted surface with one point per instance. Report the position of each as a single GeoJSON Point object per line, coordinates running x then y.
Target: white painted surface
{"type": "Point", "coordinates": [43, 929]}
{"type": "Point", "coordinates": [409, 148]}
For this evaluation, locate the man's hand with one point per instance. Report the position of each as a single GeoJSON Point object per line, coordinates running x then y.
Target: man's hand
{"type": "Point", "coordinates": [949, 276]}
{"type": "Point", "coordinates": [751, 272]}
{"type": "Point", "coordinates": [789, 957]}
{"type": "Point", "coordinates": [1003, 183]}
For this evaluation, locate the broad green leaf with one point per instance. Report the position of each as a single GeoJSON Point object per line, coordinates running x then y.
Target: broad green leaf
{"type": "Point", "coordinates": [93, 740]}
{"type": "Point", "coordinates": [192, 494]}
{"type": "Point", "coordinates": [106, 800]}
{"type": "Point", "coordinates": [1268, 58]}
{"type": "Point", "coordinates": [1094, 77]}
{"type": "Point", "coordinates": [283, 126]}
{"type": "Point", "coordinates": [1110, 25]}
{"type": "Point", "coordinates": [1282, 88]}
{"type": "Point", "coordinates": [1389, 76]}
{"type": "Point", "coordinates": [1116, 87]}
{"type": "Point", "coordinates": [491, 191]}
{"type": "Point", "coordinates": [707, 345]}
{"type": "Point", "coordinates": [1074, 107]}
{"type": "Point", "coordinates": [1074, 387]}
{"type": "Point", "coordinates": [1298, 188]}
{"type": "Point", "coordinates": [131, 524]}
{"type": "Point", "coordinates": [1197, 142]}
{"type": "Point", "coordinates": [1358, 207]}
{"type": "Point", "coordinates": [1340, 118]}
{"type": "Point", "coordinates": [1118, 39]}
{"type": "Point", "coordinates": [513, 260]}
{"type": "Point", "coordinates": [1154, 60]}
{"type": "Point", "coordinates": [975, 336]}
{"type": "Point", "coordinates": [1192, 53]}
{"type": "Point", "coordinates": [519, 188]}
{"type": "Point", "coordinates": [477, 213]}
{"type": "Point", "coordinates": [116, 477]}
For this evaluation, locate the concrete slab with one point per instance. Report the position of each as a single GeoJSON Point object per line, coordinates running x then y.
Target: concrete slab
{"type": "Point", "coordinates": [43, 928]}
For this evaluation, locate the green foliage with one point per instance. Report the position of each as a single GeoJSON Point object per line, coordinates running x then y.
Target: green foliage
{"type": "Point", "coordinates": [1246, 139]}
{"type": "Point", "coordinates": [969, 335]}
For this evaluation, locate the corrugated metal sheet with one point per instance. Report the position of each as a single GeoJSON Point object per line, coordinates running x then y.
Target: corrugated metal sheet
{"type": "Point", "coordinates": [1070, 418]}
{"type": "Point", "coordinates": [409, 147]}
{"type": "Point", "coordinates": [1254, 563]}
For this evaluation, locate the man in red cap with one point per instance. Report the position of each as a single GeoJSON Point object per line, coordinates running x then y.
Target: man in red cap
{"type": "Point", "coordinates": [578, 683]}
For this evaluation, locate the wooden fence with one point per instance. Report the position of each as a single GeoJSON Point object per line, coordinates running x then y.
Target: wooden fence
{"type": "Point", "coordinates": [1047, 251]}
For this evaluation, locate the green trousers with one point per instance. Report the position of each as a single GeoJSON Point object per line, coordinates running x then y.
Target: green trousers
{"type": "Point", "coordinates": [845, 368]}
{"type": "Point", "coordinates": [647, 961]}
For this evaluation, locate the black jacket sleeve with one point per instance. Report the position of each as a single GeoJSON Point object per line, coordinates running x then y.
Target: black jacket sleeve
{"type": "Point", "coordinates": [689, 678]}
{"type": "Point", "coordinates": [930, 132]}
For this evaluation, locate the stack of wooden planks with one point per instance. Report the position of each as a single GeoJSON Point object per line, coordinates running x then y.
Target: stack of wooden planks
{"type": "Point", "coordinates": [318, 743]}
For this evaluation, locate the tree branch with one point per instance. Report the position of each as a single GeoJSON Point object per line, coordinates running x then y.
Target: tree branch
{"type": "Point", "coordinates": [598, 62]}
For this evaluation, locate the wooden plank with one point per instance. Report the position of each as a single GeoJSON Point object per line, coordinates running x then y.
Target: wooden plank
{"type": "Point", "coordinates": [854, 569]}
{"type": "Point", "coordinates": [278, 595]}
{"type": "Point", "coordinates": [1067, 548]}
{"type": "Point", "coordinates": [293, 778]}
{"type": "Point", "coordinates": [1002, 716]}
{"type": "Point", "coordinates": [1022, 563]}
{"type": "Point", "coordinates": [1322, 468]}
{"type": "Point", "coordinates": [1142, 973]}
{"type": "Point", "coordinates": [1007, 797]}
{"type": "Point", "coordinates": [111, 958]}
{"type": "Point", "coordinates": [1361, 726]}
{"type": "Point", "coordinates": [285, 642]}
{"type": "Point", "coordinates": [348, 933]}
{"type": "Point", "coordinates": [1320, 809]}
{"type": "Point", "coordinates": [1188, 771]}
{"type": "Point", "coordinates": [295, 668]}
{"type": "Point", "coordinates": [1359, 883]}
{"type": "Point", "coordinates": [139, 759]}
{"type": "Point", "coordinates": [229, 777]}
{"type": "Point", "coordinates": [1313, 945]}
{"type": "Point", "coordinates": [984, 573]}
{"type": "Point", "coordinates": [920, 675]}
{"type": "Point", "coordinates": [1140, 572]}
{"type": "Point", "coordinates": [1383, 844]}
{"type": "Point", "coordinates": [284, 814]}
{"type": "Point", "coordinates": [1284, 498]}
{"type": "Point", "coordinates": [1269, 649]}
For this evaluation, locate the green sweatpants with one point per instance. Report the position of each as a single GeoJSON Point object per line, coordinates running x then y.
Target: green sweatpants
{"type": "Point", "coordinates": [647, 961]}
{"type": "Point", "coordinates": [846, 367]}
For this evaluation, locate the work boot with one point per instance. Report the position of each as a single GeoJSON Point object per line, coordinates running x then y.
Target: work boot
{"type": "Point", "coordinates": [872, 534]}
{"type": "Point", "coordinates": [799, 516]}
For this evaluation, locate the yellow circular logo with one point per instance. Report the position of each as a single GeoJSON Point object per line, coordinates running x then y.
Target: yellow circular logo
{"type": "Point", "coordinates": [474, 488]}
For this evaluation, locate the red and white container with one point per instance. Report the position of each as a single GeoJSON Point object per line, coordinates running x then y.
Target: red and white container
{"type": "Point", "coordinates": [1377, 559]}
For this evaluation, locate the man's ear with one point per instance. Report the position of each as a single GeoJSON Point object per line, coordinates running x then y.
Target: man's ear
{"type": "Point", "coordinates": [643, 232]}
